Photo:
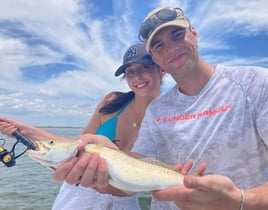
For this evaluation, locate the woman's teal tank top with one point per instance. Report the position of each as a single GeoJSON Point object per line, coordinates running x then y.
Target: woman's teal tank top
{"type": "Point", "coordinates": [108, 128]}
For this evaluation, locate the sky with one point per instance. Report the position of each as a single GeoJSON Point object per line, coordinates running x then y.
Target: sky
{"type": "Point", "coordinates": [58, 57]}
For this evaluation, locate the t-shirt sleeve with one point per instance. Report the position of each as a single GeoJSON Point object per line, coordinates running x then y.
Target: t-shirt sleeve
{"type": "Point", "coordinates": [259, 94]}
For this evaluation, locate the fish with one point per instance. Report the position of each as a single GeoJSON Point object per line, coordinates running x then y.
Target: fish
{"type": "Point", "coordinates": [125, 172]}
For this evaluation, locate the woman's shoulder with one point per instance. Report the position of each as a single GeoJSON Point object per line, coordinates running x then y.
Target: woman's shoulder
{"type": "Point", "coordinates": [113, 101]}
{"type": "Point", "coordinates": [110, 97]}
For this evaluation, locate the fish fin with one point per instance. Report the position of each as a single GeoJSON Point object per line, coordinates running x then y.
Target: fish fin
{"type": "Point", "coordinates": [115, 184]}
{"type": "Point", "coordinates": [156, 162]}
{"type": "Point", "coordinates": [128, 192]}
{"type": "Point", "coordinates": [96, 148]}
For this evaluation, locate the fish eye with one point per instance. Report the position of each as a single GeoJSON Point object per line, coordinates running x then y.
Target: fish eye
{"type": "Point", "coordinates": [52, 142]}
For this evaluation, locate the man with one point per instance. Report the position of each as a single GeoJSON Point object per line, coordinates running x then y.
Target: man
{"type": "Point", "coordinates": [215, 114]}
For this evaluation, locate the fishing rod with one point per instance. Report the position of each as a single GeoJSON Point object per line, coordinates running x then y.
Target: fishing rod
{"type": "Point", "coordinates": [9, 157]}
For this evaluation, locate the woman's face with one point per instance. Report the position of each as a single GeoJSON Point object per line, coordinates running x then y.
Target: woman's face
{"type": "Point", "coordinates": [143, 80]}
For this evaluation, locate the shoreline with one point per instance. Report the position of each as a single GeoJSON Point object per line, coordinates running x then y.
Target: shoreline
{"type": "Point", "coordinates": [48, 126]}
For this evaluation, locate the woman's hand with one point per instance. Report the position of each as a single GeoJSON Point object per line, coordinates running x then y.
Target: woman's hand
{"type": "Point", "coordinates": [95, 139]}
{"type": "Point", "coordinates": [9, 126]}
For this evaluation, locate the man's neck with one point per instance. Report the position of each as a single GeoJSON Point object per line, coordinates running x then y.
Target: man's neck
{"type": "Point", "coordinates": [196, 80]}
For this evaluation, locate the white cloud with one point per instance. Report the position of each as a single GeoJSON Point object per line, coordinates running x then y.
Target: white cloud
{"type": "Point", "coordinates": [36, 33]}
{"type": "Point", "coordinates": [11, 57]}
{"type": "Point", "coordinates": [48, 92]}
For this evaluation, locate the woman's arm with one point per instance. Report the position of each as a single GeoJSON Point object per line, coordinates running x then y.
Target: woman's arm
{"type": "Point", "coordinates": [9, 126]}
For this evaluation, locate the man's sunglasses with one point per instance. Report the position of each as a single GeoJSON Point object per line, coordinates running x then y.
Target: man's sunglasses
{"type": "Point", "coordinates": [162, 16]}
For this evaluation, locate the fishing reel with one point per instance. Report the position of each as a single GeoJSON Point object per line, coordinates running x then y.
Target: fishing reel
{"type": "Point", "coordinates": [9, 157]}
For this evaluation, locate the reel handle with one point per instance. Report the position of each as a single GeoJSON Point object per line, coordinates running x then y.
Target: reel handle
{"type": "Point", "coordinates": [24, 140]}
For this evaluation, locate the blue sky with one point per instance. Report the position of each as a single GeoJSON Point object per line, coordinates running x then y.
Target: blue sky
{"type": "Point", "coordinates": [58, 57]}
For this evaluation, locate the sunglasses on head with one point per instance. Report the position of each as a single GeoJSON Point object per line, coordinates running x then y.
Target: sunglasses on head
{"type": "Point", "coordinates": [162, 16]}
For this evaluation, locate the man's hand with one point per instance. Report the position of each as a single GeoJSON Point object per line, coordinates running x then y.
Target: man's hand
{"type": "Point", "coordinates": [90, 170]}
{"type": "Point", "coordinates": [185, 168]}
{"type": "Point", "coordinates": [208, 192]}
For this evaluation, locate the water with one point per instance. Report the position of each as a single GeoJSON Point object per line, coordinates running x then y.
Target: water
{"type": "Point", "coordinates": [29, 185]}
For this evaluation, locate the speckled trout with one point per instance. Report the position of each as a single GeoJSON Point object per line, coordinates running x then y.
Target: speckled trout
{"type": "Point", "coordinates": [125, 172]}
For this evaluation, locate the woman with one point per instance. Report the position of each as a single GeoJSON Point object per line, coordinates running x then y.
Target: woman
{"type": "Point", "coordinates": [118, 117]}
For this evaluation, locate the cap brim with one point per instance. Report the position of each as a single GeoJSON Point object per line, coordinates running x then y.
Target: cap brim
{"type": "Point", "coordinates": [144, 61]}
{"type": "Point", "coordinates": [181, 23]}
{"type": "Point", "coordinates": [121, 70]}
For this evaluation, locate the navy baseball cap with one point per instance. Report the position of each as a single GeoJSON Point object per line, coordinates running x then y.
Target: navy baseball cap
{"type": "Point", "coordinates": [135, 54]}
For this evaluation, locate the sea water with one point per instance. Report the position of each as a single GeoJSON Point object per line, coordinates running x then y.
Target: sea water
{"type": "Point", "coordinates": [29, 185]}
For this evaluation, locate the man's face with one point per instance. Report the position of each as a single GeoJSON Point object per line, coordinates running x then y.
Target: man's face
{"type": "Point", "coordinates": [174, 49]}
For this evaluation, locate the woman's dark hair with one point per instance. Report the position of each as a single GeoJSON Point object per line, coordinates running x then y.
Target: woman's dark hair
{"type": "Point", "coordinates": [117, 103]}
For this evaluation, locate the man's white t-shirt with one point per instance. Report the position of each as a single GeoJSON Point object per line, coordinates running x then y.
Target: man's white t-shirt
{"type": "Point", "coordinates": [225, 125]}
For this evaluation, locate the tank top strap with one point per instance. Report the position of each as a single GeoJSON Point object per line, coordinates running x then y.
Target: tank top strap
{"type": "Point", "coordinates": [123, 107]}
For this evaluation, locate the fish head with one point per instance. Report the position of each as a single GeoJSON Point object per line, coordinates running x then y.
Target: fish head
{"type": "Point", "coordinates": [53, 153]}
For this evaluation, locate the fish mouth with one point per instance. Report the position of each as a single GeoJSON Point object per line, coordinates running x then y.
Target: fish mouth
{"type": "Point", "coordinates": [37, 147]}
